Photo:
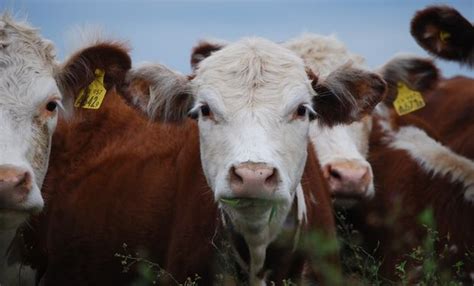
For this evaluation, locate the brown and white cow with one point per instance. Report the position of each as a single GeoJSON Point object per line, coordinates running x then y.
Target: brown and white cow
{"type": "Point", "coordinates": [422, 160]}
{"type": "Point", "coordinates": [253, 101]}
{"type": "Point", "coordinates": [29, 100]}
{"type": "Point", "coordinates": [445, 33]}
{"type": "Point", "coordinates": [433, 142]}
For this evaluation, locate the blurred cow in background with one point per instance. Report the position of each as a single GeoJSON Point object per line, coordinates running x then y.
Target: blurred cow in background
{"type": "Point", "coordinates": [432, 141]}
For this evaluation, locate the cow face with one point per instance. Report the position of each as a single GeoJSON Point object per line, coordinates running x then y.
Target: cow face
{"type": "Point", "coordinates": [29, 100]}
{"type": "Point", "coordinates": [254, 100]}
{"type": "Point", "coordinates": [342, 150]}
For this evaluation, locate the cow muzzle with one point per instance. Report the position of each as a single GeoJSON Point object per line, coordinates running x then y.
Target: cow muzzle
{"type": "Point", "coordinates": [15, 187]}
{"type": "Point", "coordinates": [253, 180]}
{"type": "Point", "coordinates": [349, 180]}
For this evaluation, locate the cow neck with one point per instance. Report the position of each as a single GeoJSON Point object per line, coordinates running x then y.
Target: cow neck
{"type": "Point", "coordinates": [87, 127]}
{"type": "Point", "coordinates": [238, 249]}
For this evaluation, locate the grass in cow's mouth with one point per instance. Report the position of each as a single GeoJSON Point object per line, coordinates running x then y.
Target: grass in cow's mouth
{"type": "Point", "coordinates": [251, 202]}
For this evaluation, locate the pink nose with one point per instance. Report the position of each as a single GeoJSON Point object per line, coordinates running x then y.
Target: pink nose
{"type": "Point", "coordinates": [15, 184]}
{"type": "Point", "coordinates": [253, 179]}
{"type": "Point", "coordinates": [348, 179]}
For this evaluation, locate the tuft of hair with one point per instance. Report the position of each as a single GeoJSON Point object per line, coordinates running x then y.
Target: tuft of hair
{"type": "Point", "coordinates": [160, 93]}
{"type": "Point", "coordinates": [78, 71]}
{"type": "Point", "coordinates": [21, 42]}
{"type": "Point", "coordinates": [417, 73]}
{"type": "Point", "coordinates": [444, 33]}
{"type": "Point", "coordinates": [347, 95]}
{"type": "Point", "coordinates": [323, 54]}
{"type": "Point", "coordinates": [204, 49]}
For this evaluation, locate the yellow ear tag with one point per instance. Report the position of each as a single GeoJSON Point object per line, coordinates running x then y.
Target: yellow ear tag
{"type": "Point", "coordinates": [95, 93]}
{"type": "Point", "coordinates": [407, 100]}
{"type": "Point", "coordinates": [444, 36]}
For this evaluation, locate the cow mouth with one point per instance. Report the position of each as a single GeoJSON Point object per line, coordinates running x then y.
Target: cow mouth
{"type": "Point", "coordinates": [251, 206]}
{"type": "Point", "coordinates": [347, 200]}
{"type": "Point", "coordinates": [237, 202]}
{"type": "Point", "coordinates": [8, 210]}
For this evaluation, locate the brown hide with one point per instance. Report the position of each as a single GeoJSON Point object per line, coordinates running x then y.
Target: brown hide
{"type": "Point", "coordinates": [116, 178]}
{"type": "Point", "coordinates": [404, 189]}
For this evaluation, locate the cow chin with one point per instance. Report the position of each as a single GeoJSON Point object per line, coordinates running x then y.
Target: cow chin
{"type": "Point", "coordinates": [251, 215]}
{"type": "Point", "coordinates": [13, 216]}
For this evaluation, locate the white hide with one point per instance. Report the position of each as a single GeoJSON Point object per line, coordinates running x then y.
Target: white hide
{"type": "Point", "coordinates": [435, 158]}
{"type": "Point", "coordinates": [253, 88]}
{"type": "Point", "coordinates": [26, 85]}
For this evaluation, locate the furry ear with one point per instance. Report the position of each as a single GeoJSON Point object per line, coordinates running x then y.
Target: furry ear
{"type": "Point", "coordinates": [158, 92]}
{"type": "Point", "coordinates": [444, 32]}
{"type": "Point", "coordinates": [203, 50]}
{"type": "Point", "coordinates": [419, 74]}
{"type": "Point", "coordinates": [346, 95]}
{"type": "Point", "coordinates": [79, 70]}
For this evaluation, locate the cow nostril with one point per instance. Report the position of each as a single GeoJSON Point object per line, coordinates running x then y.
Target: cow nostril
{"type": "Point", "coordinates": [234, 177]}
{"type": "Point", "coordinates": [334, 173]}
{"type": "Point", "coordinates": [272, 180]}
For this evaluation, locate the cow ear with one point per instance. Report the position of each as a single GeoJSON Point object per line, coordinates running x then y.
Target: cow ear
{"type": "Point", "coordinates": [81, 68]}
{"type": "Point", "coordinates": [203, 50]}
{"type": "Point", "coordinates": [444, 32]}
{"type": "Point", "coordinates": [346, 95]}
{"type": "Point", "coordinates": [158, 92]}
{"type": "Point", "coordinates": [418, 74]}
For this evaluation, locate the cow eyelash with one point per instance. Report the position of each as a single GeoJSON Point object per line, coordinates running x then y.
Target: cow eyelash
{"type": "Point", "coordinates": [302, 110]}
{"type": "Point", "coordinates": [204, 109]}
{"type": "Point", "coordinates": [53, 105]}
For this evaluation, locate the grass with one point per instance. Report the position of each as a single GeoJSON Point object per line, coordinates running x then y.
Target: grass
{"type": "Point", "coordinates": [421, 266]}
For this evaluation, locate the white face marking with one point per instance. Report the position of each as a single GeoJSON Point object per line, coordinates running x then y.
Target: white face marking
{"type": "Point", "coordinates": [344, 144]}
{"type": "Point", "coordinates": [253, 88]}
{"type": "Point", "coordinates": [27, 86]}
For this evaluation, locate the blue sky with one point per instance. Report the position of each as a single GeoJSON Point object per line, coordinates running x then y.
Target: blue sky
{"type": "Point", "coordinates": [165, 31]}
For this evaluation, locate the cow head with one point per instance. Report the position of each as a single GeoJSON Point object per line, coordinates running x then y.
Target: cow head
{"type": "Point", "coordinates": [342, 149]}
{"type": "Point", "coordinates": [29, 100]}
{"type": "Point", "coordinates": [444, 32]}
{"type": "Point", "coordinates": [254, 101]}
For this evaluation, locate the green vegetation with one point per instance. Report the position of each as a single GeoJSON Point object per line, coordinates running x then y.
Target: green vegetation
{"type": "Point", "coordinates": [361, 266]}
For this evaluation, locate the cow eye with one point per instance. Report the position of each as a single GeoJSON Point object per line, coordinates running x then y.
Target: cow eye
{"type": "Point", "coordinates": [301, 111]}
{"type": "Point", "coordinates": [51, 106]}
{"type": "Point", "coordinates": [205, 110]}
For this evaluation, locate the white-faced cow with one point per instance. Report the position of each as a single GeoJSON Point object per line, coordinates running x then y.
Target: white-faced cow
{"type": "Point", "coordinates": [411, 147]}
{"type": "Point", "coordinates": [253, 101]}
{"type": "Point", "coordinates": [342, 149]}
{"type": "Point", "coordinates": [29, 98]}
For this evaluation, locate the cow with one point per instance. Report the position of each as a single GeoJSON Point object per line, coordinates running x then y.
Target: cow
{"type": "Point", "coordinates": [29, 101]}
{"type": "Point", "coordinates": [240, 93]}
{"type": "Point", "coordinates": [415, 147]}
{"type": "Point", "coordinates": [421, 161]}
{"type": "Point", "coordinates": [240, 172]}
{"type": "Point", "coordinates": [444, 33]}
